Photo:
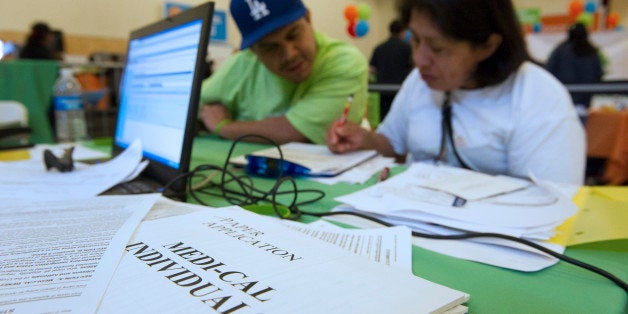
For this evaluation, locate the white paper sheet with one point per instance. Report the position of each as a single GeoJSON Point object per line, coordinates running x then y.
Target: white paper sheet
{"type": "Point", "coordinates": [80, 152]}
{"type": "Point", "coordinates": [137, 171]}
{"type": "Point", "coordinates": [532, 207]}
{"type": "Point", "coordinates": [500, 256]}
{"type": "Point", "coordinates": [30, 180]}
{"type": "Point", "coordinates": [58, 256]}
{"type": "Point", "coordinates": [470, 185]}
{"type": "Point", "coordinates": [318, 158]}
{"type": "Point", "coordinates": [231, 260]}
{"type": "Point", "coordinates": [387, 246]}
{"type": "Point", "coordinates": [360, 173]}
{"type": "Point", "coordinates": [532, 213]}
{"type": "Point", "coordinates": [492, 251]}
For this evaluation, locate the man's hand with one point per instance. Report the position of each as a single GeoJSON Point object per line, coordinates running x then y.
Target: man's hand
{"type": "Point", "coordinates": [212, 114]}
{"type": "Point", "coordinates": [277, 129]}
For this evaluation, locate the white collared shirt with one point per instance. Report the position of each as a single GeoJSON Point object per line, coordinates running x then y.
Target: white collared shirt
{"type": "Point", "coordinates": [525, 125]}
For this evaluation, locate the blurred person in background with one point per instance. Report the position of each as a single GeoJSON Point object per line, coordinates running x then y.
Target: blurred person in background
{"type": "Point", "coordinates": [576, 61]}
{"type": "Point", "coordinates": [391, 62]}
{"type": "Point", "coordinates": [57, 44]}
{"type": "Point", "coordinates": [39, 42]}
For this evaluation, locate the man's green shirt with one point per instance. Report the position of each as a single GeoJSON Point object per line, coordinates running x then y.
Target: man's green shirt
{"type": "Point", "coordinates": [251, 92]}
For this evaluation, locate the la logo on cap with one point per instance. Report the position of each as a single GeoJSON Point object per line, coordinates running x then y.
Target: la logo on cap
{"type": "Point", "coordinates": [258, 9]}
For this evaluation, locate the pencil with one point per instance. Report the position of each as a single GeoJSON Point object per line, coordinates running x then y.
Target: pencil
{"type": "Point", "coordinates": [384, 174]}
{"type": "Point", "coordinates": [345, 111]}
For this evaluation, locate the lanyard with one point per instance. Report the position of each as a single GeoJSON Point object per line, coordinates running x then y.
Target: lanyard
{"type": "Point", "coordinates": [447, 133]}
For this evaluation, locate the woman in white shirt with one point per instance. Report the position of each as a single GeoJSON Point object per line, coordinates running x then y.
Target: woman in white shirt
{"type": "Point", "coordinates": [507, 115]}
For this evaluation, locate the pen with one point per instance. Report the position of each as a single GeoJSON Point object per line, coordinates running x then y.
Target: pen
{"type": "Point", "coordinates": [345, 111]}
{"type": "Point", "coordinates": [383, 175]}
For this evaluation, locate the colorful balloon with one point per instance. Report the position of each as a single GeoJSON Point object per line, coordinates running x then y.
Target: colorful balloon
{"type": "Point", "coordinates": [590, 7]}
{"type": "Point", "coordinates": [576, 7]}
{"type": "Point", "coordinates": [585, 18]}
{"type": "Point", "coordinates": [612, 20]}
{"type": "Point", "coordinates": [537, 27]}
{"type": "Point", "coordinates": [361, 28]}
{"type": "Point", "coordinates": [351, 13]}
{"type": "Point", "coordinates": [364, 11]}
{"type": "Point", "coordinates": [351, 29]}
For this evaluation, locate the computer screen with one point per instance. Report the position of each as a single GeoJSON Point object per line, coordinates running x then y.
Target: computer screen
{"type": "Point", "coordinates": [159, 92]}
{"type": "Point", "coordinates": [155, 91]}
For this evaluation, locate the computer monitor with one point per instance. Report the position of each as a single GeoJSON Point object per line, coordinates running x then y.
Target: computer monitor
{"type": "Point", "coordinates": [159, 91]}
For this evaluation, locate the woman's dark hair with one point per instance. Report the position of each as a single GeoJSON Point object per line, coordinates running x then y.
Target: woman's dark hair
{"type": "Point", "coordinates": [474, 21]}
{"type": "Point", "coordinates": [395, 27]}
{"type": "Point", "coordinates": [579, 39]}
{"type": "Point", "coordinates": [39, 32]}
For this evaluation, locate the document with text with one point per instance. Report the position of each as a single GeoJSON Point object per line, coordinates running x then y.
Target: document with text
{"type": "Point", "coordinates": [58, 256]}
{"type": "Point", "coordinates": [420, 199]}
{"type": "Point", "coordinates": [391, 246]}
{"type": "Point", "coordinates": [228, 260]}
{"type": "Point", "coordinates": [29, 179]}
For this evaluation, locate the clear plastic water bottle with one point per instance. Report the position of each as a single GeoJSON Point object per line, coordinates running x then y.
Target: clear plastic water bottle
{"type": "Point", "coordinates": [68, 108]}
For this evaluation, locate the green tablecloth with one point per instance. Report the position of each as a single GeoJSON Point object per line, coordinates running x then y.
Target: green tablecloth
{"type": "Point", "coordinates": [562, 288]}
{"type": "Point", "coordinates": [30, 82]}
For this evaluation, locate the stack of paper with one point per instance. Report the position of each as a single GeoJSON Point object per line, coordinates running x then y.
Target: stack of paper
{"type": "Point", "coordinates": [58, 256]}
{"type": "Point", "coordinates": [30, 179]}
{"type": "Point", "coordinates": [227, 260]}
{"type": "Point", "coordinates": [194, 259]}
{"type": "Point", "coordinates": [317, 159]}
{"type": "Point", "coordinates": [426, 199]}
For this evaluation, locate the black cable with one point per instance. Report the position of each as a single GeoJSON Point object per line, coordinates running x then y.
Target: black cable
{"type": "Point", "coordinates": [240, 189]}
{"type": "Point", "coordinates": [471, 235]}
{"type": "Point", "coordinates": [248, 194]}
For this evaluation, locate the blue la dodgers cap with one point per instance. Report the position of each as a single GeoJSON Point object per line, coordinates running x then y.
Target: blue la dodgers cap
{"type": "Point", "coordinates": [258, 18]}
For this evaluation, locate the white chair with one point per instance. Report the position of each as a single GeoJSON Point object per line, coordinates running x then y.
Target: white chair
{"type": "Point", "coordinates": [14, 129]}
{"type": "Point", "coordinates": [13, 114]}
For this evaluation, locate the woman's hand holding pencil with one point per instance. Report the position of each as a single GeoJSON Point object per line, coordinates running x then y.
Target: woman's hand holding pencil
{"type": "Point", "coordinates": [345, 111]}
{"type": "Point", "coordinates": [345, 136]}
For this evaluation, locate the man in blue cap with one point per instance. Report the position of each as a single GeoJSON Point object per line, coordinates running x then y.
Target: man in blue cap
{"type": "Point", "coordinates": [288, 82]}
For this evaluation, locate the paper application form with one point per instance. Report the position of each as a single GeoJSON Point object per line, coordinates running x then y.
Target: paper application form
{"type": "Point", "coordinates": [58, 256]}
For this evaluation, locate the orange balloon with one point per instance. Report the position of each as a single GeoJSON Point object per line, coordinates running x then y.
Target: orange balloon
{"type": "Point", "coordinates": [351, 13]}
{"type": "Point", "coordinates": [576, 7]}
{"type": "Point", "coordinates": [612, 20]}
{"type": "Point", "coordinates": [174, 11]}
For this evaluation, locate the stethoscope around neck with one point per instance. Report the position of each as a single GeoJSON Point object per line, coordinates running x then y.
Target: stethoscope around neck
{"type": "Point", "coordinates": [447, 133]}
